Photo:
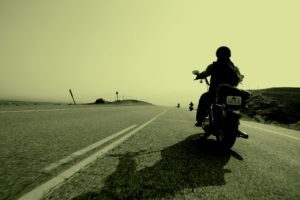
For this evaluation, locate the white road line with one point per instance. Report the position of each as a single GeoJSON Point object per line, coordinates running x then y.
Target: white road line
{"type": "Point", "coordinates": [46, 187]}
{"type": "Point", "coordinates": [85, 150]}
{"type": "Point", "coordinates": [296, 138]}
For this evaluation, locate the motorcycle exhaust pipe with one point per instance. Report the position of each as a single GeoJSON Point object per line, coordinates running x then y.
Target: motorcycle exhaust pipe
{"type": "Point", "coordinates": [242, 134]}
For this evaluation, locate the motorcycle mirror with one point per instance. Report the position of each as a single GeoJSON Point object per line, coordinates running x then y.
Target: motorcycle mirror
{"type": "Point", "coordinates": [195, 72]}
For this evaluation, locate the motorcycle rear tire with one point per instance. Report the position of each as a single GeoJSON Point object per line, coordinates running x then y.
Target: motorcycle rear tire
{"type": "Point", "coordinates": [229, 133]}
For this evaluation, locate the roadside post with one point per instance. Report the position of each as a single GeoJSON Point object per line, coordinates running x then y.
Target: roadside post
{"type": "Point", "coordinates": [72, 96]}
{"type": "Point", "coordinates": [117, 93]}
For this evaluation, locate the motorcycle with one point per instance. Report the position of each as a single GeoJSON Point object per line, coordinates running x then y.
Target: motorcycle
{"type": "Point", "coordinates": [191, 106]}
{"type": "Point", "coordinates": [224, 114]}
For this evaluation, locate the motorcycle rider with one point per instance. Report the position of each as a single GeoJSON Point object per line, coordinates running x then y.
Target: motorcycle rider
{"type": "Point", "coordinates": [191, 106]}
{"type": "Point", "coordinates": [221, 71]}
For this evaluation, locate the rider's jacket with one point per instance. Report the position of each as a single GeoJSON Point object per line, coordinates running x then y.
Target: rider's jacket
{"type": "Point", "coordinates": [221, 72]}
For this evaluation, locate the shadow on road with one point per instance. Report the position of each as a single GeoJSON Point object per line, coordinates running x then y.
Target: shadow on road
{"type": "Point", "coordinates": [189, 164]}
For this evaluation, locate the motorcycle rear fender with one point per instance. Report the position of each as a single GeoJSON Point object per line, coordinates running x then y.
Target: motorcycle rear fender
{"type": "Point", "coordinates": [224, 90]}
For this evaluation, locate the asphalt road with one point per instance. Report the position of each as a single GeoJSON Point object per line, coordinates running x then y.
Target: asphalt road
{"type": "Point", "coordinates": [159, 155]}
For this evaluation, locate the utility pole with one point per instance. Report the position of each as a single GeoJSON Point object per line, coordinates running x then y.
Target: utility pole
{"type": "Point", "coordinates": [72, 96]}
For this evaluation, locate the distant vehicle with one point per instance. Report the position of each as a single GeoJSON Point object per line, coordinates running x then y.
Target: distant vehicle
{"type": "Point", "coordinates": [224, 114]}
{"type": "Point", "coordinates": [191, 106]}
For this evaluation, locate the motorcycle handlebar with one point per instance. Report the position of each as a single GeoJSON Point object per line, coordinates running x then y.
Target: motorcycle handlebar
{"type": "Point", "coordinates": [201, 80]}
{"type": "Point", "coordinates": [206, 81]}
{"type": "Point", "coordinates": [196, 72]}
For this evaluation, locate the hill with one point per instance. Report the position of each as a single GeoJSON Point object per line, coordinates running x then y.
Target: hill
{"type": "Point", "coordinates": [275, 105]}
{"type": "Point", "coordinates": [122, 102]}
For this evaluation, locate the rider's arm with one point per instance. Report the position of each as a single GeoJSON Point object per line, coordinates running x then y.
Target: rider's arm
{"type": "Point", "coordinates": [241, 77]}
{"type": "Point", "coordinates": [205, 73]}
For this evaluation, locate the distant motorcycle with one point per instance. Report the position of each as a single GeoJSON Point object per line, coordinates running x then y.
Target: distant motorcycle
{"type": "Point", "coordinates": [224, 114]}
{"type": "Point", "coordinates": [191, 106]}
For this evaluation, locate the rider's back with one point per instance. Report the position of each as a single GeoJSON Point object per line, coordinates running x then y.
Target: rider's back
{"type": "Point", "coordinates": [223, 72]}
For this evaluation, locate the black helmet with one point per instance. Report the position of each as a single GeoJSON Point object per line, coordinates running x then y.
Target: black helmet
{"type": "Point", "coordinates": [223, 52]}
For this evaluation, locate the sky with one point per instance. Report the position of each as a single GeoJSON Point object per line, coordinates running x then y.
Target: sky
{"type": "Point", "coordinates": [144, 49]}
